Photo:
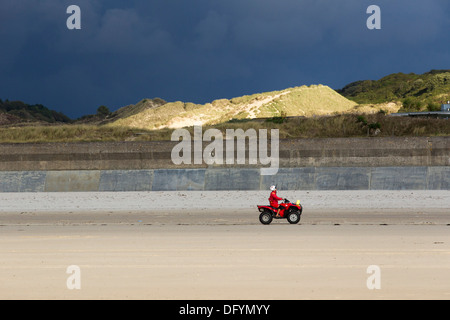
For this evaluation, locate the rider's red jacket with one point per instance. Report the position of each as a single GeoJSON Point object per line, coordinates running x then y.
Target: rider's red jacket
{"type": "Point", "coordinates": [273, 199]}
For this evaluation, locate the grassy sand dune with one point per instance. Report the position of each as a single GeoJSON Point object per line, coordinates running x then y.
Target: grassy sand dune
{"type": "Point", "coordinates": [298, 101]}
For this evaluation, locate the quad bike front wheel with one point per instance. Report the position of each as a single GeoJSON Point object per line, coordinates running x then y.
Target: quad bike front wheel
{"type": "Point", "coordinates": [265, 217]}
{"type": "Point", "coordinates": [293, 217]}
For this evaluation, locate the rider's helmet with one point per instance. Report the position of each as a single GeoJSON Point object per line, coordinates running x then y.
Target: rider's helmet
{"type": "Point", "coordinates": [273, 188]}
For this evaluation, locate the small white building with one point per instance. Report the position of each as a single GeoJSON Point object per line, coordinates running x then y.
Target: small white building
{"type": "Point", "coordinates": [445, 107]}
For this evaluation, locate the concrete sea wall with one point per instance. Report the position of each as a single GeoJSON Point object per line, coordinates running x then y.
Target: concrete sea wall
{"type": "Point", "coordinates": [305, 164]}
{"type": "Point", "coordinates": [313, 178]}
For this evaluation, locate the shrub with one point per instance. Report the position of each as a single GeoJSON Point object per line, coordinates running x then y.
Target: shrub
{"type": "Point", "coordinates": [103, 111]}
{"type": "Point", "coordinates": [362, 120]}
{"type": "Point", "coordinates": [411, 103]}
{"type": "Point", "coordinates": [433, 106]}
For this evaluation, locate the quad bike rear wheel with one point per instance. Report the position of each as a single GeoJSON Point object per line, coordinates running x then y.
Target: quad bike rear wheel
{"type": "Point", "coordinates": [293, 216]}
{"type": "Point", "coordinates": [265, 217]}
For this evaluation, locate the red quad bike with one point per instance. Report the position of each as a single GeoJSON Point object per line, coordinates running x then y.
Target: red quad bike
{"type": "Point", "coordinates": [290, 211]}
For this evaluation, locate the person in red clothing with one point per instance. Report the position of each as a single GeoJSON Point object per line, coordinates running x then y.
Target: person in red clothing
{"type": "Point", "coordinates": [273, 199]}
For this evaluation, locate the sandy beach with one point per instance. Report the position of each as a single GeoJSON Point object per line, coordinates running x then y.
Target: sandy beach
{"type": "Point", "coordinates": [170, 200]}
{"type": "Point", "coordinates": [210, 245]}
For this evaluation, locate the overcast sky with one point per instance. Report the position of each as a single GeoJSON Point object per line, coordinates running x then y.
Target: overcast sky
{"type": "Point", "coordinates": [202, 50]}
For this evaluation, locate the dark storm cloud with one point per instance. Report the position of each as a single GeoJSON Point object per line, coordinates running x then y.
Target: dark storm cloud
{"type": "Point", "coordinates": [202, 50]}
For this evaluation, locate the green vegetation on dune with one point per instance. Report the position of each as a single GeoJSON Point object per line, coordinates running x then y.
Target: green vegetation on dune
{"type": "Point", "coordinates": [19, 111]}
{"type": "Point", "coordinates": [416, 92]}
